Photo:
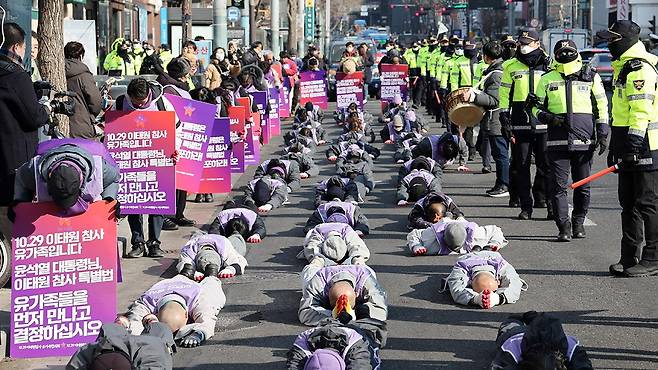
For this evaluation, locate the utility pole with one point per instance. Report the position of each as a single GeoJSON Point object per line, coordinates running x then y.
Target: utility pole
{"type": "Point", "coordinates": [275, 24]}
{"type": "Point", "coordinates": [219, 24]}
{"type": "Point", "coordinates": [327, 26]}
{"type": "Point", "coordinates": [186, 20]}
{"type": "Point", "coordinates": [245, 20]}
{"type": "Point", "coordinates": [510, 18]}
{"type": "Point", "coordinates": [574, 13]}
{"type": "Point", "coordinates": [252, 20]}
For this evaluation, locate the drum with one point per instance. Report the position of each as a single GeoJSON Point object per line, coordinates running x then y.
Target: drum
{"type": "Point", "coordinates": [461, 112]}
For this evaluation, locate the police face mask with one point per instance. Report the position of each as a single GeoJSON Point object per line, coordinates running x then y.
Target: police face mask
{"type": "Point", "coordinates": [459, 51]}
{"type": "Point", "coordinates": [527, 49]}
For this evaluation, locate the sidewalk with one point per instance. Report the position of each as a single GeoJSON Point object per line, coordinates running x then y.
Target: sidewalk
{"type": "Point", "coordinates": [141, 273]}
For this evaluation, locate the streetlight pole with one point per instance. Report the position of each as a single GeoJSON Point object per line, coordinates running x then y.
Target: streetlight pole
{"type": "Point", "coordinates": [219, 31]}
{"type": "Point", "coordinates": [275, 24]}
{"type": "Point", "coordinates": [301, 35]}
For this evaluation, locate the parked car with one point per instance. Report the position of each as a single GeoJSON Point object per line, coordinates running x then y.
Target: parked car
{"type": "Point", "coordinates": [602, 64]}
{"type": "Point", "coordinates": [586, 54]}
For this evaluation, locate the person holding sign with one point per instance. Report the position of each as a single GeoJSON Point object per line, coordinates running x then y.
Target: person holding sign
{"type": "Point", "coordinates": [212, 255]}
{"type": "Point", "coordinates": [239, 217]}
{"type": "Point", "coordinates": [188, 308]}
{"type": "Point", "coordinates": [73, 173]}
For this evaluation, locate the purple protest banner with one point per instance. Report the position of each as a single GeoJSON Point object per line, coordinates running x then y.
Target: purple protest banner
{"type": "Point", "coordinates": [196, 119]}
{"type": "Point", "coordinates": [394, 83]}
{"type": "Point", "coordinates": [63, 278]}
{"type": "Point", "coordinates": [216, 169]}
{"type": "Point", "coordinates": [237, 116]}
{"type": "Point", "coordinates": [273, 120]}
{"type": "Point", "coordinates": [142, 144]}
{"type": "Point", "coordinates": [349, 89]}
{"type": "Point", "coordinates": [313, 88]}
{"type": "Point", "coordinates": [260, 99]}
{"type": "Point", "coordinates": [284, 104]}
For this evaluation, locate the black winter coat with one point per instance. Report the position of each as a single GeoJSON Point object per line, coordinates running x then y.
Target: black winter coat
{"type": "Point", "coordinates": [20, 117]}
{"type": "Point", "coordinates": [87, 99]}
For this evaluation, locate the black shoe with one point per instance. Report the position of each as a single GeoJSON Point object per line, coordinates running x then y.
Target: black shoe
{"type": "Point", "coordinates": [155, 251]}
{"type": "Point", "coordinates": [209, 198]}
{"type": "Point", "coordinates": [182, 221]}
{"type": "Point", "coordinates": [524, 215]}
{"type": "Point", "coordinates": [211, 270]}
{"type": "Point", "coordinates": [540, 204]}
{"type": "Point", "coordinates": [199, 198]}
{"type": "Point", "coordinates": [188, 271]}
{"type": "Point", "coordinates": [514, 203]}
{"type": "Point", "coordinates": [169, 225]}
{"type": "Point", "coordinates": [486, 170]}
{"type": "Point", "coordinates": [492, 189]}
{"type": "Point", "coordinates": [137, 251]}
{"type": "Point", "coordinates": [578, 230]}
{"type": "Point", "coordinates": [564, 236]}
{"type": "Point", "coordinates": [499, 192]}
{"type": "Point", "coordinates": [618, 268]}
{"type": "Point", "coordinates": [644, 268]}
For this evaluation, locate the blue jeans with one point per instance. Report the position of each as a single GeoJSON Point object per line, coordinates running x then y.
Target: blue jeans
{"type": "Point", "coordinates": [500, 152]}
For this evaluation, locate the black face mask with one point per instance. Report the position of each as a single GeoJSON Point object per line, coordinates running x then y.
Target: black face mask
{"type": "Point", "coordinates": [618, 48]}
{"type": "Point", "coordinates": [444, 49]}
{"type": "Point", "coordinates": [508, 53]}
{"type": "Point", "coordinates": [470, 53]}
{"type": "Point", "coordinates": [432, 47]}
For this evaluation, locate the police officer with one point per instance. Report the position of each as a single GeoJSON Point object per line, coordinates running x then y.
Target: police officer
{"type": "Point", "coordinates": [509, 47]}
{"type": "Point", "coordinates": [634, 142]}
{"type": "Point", "coordinates": [415, 76]}
{"type": "Point", "coordinates": [575, 109]}
{"type": "Point", "coordinates": [520, 78]}
{"type": "Point", "coordinates": [430, 75]}
{"type": "Point", "coordinates": [423, 57]}
{"type": "Point", "coordinates": [509, 51]}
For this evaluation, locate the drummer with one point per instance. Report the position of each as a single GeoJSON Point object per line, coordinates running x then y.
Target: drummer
{"type": "Point", "coordinates": [490, 127]}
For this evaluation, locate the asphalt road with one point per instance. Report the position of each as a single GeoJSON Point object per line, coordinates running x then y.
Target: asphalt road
{"type": "Point", "coordinates": [614, 319]}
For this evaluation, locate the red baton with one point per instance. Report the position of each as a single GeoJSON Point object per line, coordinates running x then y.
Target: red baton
{"type": "Point", "coordinates": [595, 176]}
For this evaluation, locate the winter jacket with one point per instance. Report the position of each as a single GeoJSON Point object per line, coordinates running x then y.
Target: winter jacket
{"type": "Point", "coordinates": [520, 333]}
{"type": "Point", "coordinates": [488, 98]}
{"type": "Point", "coordinates": [305, 162]}
{"type": "Point", "coordinates": [152, 65]}
{"type": "Point", "coordinates": [246, 210]}
{"type": "Point", "coordinates": [431, 238]}
{"type": "Point", "coordinates": [359, 222]}
{"type": "Point", "coordinates": [357, 251]}
{"type": "Point", "coordinates": [429, 146]}
{"type": "Point", "coordinates": [222, 245]}
{"type": "Point", "coordinates": [150, 350]}
{"type": "Point", "coordinates": [459, 280]}
{"type": "Point", "coordinates": [417, 218]}
{"type": "Point", "coordinates": [331, 334]}
{"type": "Point", "coordinates": [314, 305]}
{"type": "Point", "coordinates": [26, 185]}
{"type": "Point", "coordinates": [432, 183]}
{"type": "Point", "coordinates": [213, 77]}
{"type": "Point", "coordinates": [87, 99]}
{"type": "Point", "coordinates": [21, 115]}
{"type": "Point", "coordinates": [292, 177]}
{"type": "Point", "coordinates": [279, 192]}
{"type": "Point", "coordinates": [352, 189]}
{"type": "Point", "coordinates": [250, 57]}
{"type": "Point", "coordinates": [405, 170]}
{"type": "Point", "coordinates": [360, 172]}
{"type": "Point", "coordinates": [203, 301]}
{"type": "Point", "coordinates": [114, 62]}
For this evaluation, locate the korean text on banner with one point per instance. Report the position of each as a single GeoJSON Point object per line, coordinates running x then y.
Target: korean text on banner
{"type": "Point", "coordinates": [196, 119]}
{"type": "Point", "coordinates": [349, 89]}
{"type": "Point", "coordinates": [252, 152]}
{"type": "Point", "coordinates": [393, 82]}
{"type": "Point", "coordinates": [237, 116]}
{"type": "Point", "coordinates": [313, 88]}
{"type": "Point", "coordinates": [63, 278]}
{"type": "Point", "coordinates": [216, 169]}
{"type": "Point", "coordinates": [142, 143]}
{"type": "Point", "coordinates": [273, 120]}
{"type": "Point", "coordinates": [284, 103]}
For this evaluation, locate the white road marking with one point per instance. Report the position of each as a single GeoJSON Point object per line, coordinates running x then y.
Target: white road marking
{"type": "Point", "coordinates": [588, 221]}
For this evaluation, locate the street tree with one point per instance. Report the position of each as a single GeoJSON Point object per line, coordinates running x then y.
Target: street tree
{"type": "Point", "coordinates": [51, 50]}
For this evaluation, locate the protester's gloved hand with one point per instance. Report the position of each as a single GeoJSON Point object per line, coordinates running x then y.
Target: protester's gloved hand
{"type": "Point", "coordinates": [551, 119]}
{"type": "Point", "coordinates": [254, 239]}
{"type": "Point", "coordinates": [630, 159]}
{"type": "Point", "coordinates": [149, 319]}
{"type": "Point", "coordinates": [389, 141]}
{"type": "Point", "coordinates": [402, 203]}
{"type": "Point", "coordinates": [332, 158]}
{"type": "Point", "coordinates": [63, 107]}
{"type": "Point", "coordinates": [463, 168]}
{"type": "Point", "coordinates": [122, 320]}
{"type": "Point", "coordinates": [358, 261]}
{"type": "Point", "coordinates": [343, 311]}
{"type": "Point", "coordinates": [487, 299]}
{"type": "Point", "coordinates": [322, 142]}
{"type": "Point", "coordinates": [359, 233]}
{"type": "Point", "coordinates": [194, 339]}
{"type": "Point", "coordinates": [304, 175]}
{"type": "Point", "coordinates": [317, 261]}
{"type": "Point", "coordinates": [228, 272]}
{"type": "Point", "coordinates": [419, 251]}
{"type": "Point", "coordinates": [602, 144]}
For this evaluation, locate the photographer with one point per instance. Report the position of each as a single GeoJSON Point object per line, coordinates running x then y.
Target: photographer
{"type": "Point", "coordinates": [21, 115]}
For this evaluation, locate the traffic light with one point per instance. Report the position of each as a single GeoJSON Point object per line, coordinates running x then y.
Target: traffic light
{"type": "Point", "coordinates": [652, 22]}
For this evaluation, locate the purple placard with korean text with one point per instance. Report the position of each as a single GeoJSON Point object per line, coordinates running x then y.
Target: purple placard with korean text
{"type": "Point", "coordinates": [273, 120]}
{"type": "Point", "coordinates": [142, 144]}
{"type": "Point", "coordinates": [237, 116]}
{"type": "Point", "coordinates": [349, 89]}
{"type": "Point", "coordinates": [216, 169]}
{"type": "Point", "coordinates": [394, 82]}
{"type": "Point", "coordinates": [260, 99]}
{"type": "Point", "coordinates": [196, 120]}
{"type": "Point", "coordinates": [63, 278]}
{"type": "Point", "coordinates": [284, 104]}
{"type": "Point", "coordinates": [313, 88]}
